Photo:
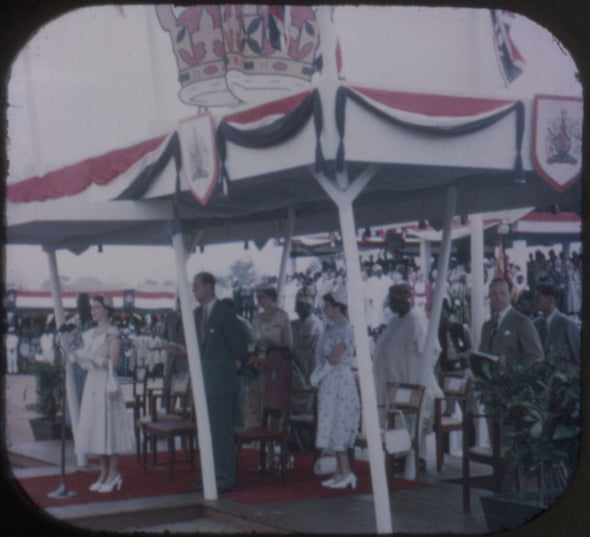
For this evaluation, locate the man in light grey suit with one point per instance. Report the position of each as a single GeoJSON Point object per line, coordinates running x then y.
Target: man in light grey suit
{"type": "Point", "coordinates": [559, 335]}
{"type": "Point", "coordinates": [508, 334]}
{"type": "Point", "coordinates": [513, 337]}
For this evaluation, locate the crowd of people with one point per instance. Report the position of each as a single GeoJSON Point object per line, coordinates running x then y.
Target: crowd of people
{"type": "Point", "coordinates": [234, 334]}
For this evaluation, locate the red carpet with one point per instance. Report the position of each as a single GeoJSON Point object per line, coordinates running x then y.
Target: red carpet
{"type": "Point", "coordinates": [301, 483]}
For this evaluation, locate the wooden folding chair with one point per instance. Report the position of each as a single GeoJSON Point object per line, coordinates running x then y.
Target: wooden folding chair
{"type": "Point", "coordinates": [274, 429]}
{"type": "Point", "coordinates": [455, 389]}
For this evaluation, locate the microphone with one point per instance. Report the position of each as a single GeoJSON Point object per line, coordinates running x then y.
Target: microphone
{"type": "Point", "coordinates": [66, 327]}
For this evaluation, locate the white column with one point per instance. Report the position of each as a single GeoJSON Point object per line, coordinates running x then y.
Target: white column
{"type": "Point", "coordinates": [441, 278]}
{"type": "Point", "coordinates": [60, 319]}
{"type": "Point", "coordinates": [356, 313]}
{"type": "Point", "coordinates": [285, 256]}
{"type": "Point", "coordinates": [196, 372]}
{"type": "Point", "coordinates": [425, 254]}
{"type": "Point", "coordinates": [520, 256]}
{"type": "Point", "coordinates": [356, 310]}
{"type": "Point", "coordinates": [477, 277]}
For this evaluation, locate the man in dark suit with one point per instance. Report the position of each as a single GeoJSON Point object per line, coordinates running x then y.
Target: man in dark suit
{"type": "Point", "coordinates": [559, 335]}
{"type": "Point", "coordinates": [223, 349]}
{"type": "Point", "coordinates": [508, 334]}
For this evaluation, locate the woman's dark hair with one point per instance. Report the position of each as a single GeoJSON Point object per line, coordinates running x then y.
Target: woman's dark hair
{"type": "Point", "coordinates": [268, 291]}
{"type": "Point", "coordinates": [104, 301]}
{"type": "Point", "coordinates": [330, 299]}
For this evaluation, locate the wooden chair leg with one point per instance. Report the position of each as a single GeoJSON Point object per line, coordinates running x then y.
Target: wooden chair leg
{"type": "Point", "coordinates": [262, 456]}
{"type": "Point", "coordinates": [238, 465]}
{"type": "Point", "coordinates": [171, 457]}
{"type": "Point", "coordinates": [439, 450]}
{"type": "Point", "coordinates": [191, 450]}
{"type": "Point", "coordinates": [154, 450]}
{"type": "Point", "coordinates": [389, 466]}
{"type": "Point", "coordinates": [466, 492]}
{"type": "Point", "coordinates": [145, 441]}
{"type": "Point", "coordinates": [137, 443]}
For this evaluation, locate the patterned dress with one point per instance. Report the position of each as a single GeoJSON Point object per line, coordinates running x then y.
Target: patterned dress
{"type": "Point", "coordinates": [267, 331]}
{"type": "Point", "coordinates": [338, 400]}
{"type": "Point", "coordinates": [104, 427]}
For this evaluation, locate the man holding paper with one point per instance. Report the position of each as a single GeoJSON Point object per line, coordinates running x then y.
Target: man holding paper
{"type": "Point", "coordinates": [508, 334]}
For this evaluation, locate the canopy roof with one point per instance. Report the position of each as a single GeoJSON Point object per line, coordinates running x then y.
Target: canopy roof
{"type": "Point", "coordinates": [264, 162]}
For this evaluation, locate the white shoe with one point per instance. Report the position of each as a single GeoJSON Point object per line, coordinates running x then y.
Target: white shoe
{"type": "Point", "coordinates": [331, 481]}
{"type": "Point", "coordinates": [96, 485]}
{"type": "Point", "coordinates": [344, 482]}
{"type": "Point", "coordinates": [109, 487]}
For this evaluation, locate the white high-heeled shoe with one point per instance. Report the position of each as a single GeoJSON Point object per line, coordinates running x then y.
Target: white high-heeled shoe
{"type": "Point", "coordinates": [96, 485]}
{"type": "Point", "coordinates": [109, 487]}
{"type": "Point", "coordinates": [343, 482]}
{"type": "Point", "coordinates": [331, 481]}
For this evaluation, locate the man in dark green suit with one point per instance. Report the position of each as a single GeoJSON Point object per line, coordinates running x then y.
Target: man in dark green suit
{"type": "Point", "coordinates": [223, 351]}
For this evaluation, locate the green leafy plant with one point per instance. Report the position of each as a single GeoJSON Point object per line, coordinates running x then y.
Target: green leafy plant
{"type": "Point", "coordinates": [49, 378]}
{"type": "Point", "coordinates": [538, 403]}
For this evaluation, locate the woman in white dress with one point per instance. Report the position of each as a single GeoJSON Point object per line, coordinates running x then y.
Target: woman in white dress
{"type": "Point", "coordinates": [103, 427]}
{"type": "Point", "coordinates": [338, 400]}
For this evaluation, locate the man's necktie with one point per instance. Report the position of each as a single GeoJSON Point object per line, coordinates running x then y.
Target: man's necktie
{"type": "Point", "coordinates": [494, 331]}
{"type": "Point", "coordinates": [204, 322]}
{"type": "Point", "coordinates": [543, 331]}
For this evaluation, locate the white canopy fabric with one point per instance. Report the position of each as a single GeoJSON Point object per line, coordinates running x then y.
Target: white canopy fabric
{"type": "Point", "coordinates": [133, 196]}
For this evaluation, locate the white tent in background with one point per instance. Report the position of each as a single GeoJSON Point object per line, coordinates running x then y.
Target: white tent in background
{"type": "Point", "coordinates": [337, 155]}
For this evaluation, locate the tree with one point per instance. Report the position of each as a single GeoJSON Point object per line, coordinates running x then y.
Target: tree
{"type": "Point", "coordinates": [242, 270]}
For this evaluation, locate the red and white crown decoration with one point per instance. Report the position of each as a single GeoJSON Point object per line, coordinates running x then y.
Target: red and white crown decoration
{"type": "Point", "coordinates": [238, 52]}
{"type": "Point", "coordinates": [197, 41]}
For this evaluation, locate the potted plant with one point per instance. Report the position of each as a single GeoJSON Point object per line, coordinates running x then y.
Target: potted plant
{"type": "Point", "coordinates": [537, 405]}
{"type": "Point", "coordinates": [49, 389]}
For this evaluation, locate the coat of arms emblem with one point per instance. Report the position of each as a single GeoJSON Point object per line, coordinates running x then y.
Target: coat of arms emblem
{"type": "Point", "coordinates": [557, 139]}
{"type": "Point", "coordinates": [199, 155]}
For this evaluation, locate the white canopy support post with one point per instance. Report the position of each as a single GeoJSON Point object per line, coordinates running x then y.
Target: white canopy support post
{"type": "Point", "coordinates": [477, 278]}
{"type": "Point", "coordinates": [441, 279]}
{"type": "Point", "coordinates": [344, 200]}
{"type": "Point", "coordinates": [196, 372]}
{"type": "Point", "coordinates": [425, 253]}
{"type": "Point", "coordinates": [285, 255]}
{"type": "Point", "coordinates": [60, 319]}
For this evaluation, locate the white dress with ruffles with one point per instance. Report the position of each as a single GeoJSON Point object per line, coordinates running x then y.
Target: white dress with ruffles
{"type": "Point", "coordinates": [104, 427]}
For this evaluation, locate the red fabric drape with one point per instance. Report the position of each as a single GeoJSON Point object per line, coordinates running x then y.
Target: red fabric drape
{"type": "Point", "coordinates": [75, 178]}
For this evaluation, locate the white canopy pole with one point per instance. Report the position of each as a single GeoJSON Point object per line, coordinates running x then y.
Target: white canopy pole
{"type": "Point", "coordinates": [285, 256]}
{"type": "Point", "coordinates": [356, 311]}
{"type": "Point", "coordinates": [477, 278]}
{"type": "Point", "coordinates": [441, 277]}
{"type": "Point", "coordinates": [425, 253]}
{"type": "Point", "coordinates": [60, 319]}
{"type": "Point", "coordinates": [196, 372]}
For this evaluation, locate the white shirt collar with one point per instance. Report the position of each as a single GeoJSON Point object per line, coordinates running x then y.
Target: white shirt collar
{"type": "Point", "coordinates": [549, 318]}
{"type": "Point", "coordinates": [209, 306]}
{"type": "Point", "coordinates": [503, 313]}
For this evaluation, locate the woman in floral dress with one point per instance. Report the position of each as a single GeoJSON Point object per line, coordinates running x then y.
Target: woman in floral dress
{"type": "Point", "coordinates": [338, 400]}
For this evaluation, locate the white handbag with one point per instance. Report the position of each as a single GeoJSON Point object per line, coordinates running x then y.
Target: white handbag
{"type": "Point", "coordinates": [398, 441]}
{"type": "Point", "coordinates": [112, 384]}
{"type": "Point", "coordinates": [319, 373]}
{"type": "Point", "coordinates": [326, 464]}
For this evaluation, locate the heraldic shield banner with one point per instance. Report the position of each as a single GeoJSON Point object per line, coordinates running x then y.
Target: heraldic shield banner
{"type": "Point", "coordinates": [199, 157]}
{"type": "Point", "coordinates": [557, 139]}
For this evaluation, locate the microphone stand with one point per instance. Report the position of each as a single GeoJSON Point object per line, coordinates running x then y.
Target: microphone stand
{"type": "Point", "coordinates": [62, 492]}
